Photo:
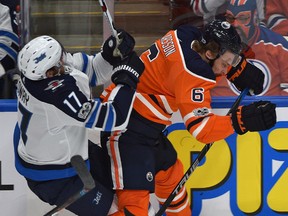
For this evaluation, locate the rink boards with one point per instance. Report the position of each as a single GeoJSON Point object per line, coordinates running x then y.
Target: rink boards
{"type": "Point", "coordinates": [240, 175]}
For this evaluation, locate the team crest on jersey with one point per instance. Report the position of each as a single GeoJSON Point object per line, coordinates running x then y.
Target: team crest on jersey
{"type": "Point", "coordinates": [85, 110]}
{"type": "Point", "coordinates": [53, 85]}
{"type": "Point", "coordinates": [204, 111]}
{"type": "Point", "coordinates": [149, 176]}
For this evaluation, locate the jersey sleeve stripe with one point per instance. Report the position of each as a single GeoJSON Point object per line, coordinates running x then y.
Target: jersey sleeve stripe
{"type": "Point", "coordinates": [11, 52]}
{"type": "Point", "coordinates": [10, 35]}
{"type": "Point", "coordinates": [191, 124]}
{"type": "Point", "coordinates": [85, 62]}
{"type": "Point", "coordinates": [91, 121]}
{"type": "Point", "coordinates": [151, 108]}
{"type": "Point", "coordinates": [200, 127]}
{"type": "Point", "coordinates": [166, 104]}
{"type": "Point", "coordinates": [110, 120]}
{"type": "Point", "coordinates": [93, 81]}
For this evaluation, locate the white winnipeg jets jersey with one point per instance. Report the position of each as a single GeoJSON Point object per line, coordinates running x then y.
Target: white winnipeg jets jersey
{"type": "Point", "coordinates": [53, 117]}
{"type": "Point", "coordinates": [9, 41]}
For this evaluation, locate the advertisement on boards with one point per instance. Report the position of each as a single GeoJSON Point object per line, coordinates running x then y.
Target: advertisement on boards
{"type": "Point", "coordinates": [240, 175]}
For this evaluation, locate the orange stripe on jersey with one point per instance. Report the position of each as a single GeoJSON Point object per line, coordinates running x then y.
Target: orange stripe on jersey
{"type": "Point", "coordinates": [215, 128]}
{"type": "Point", "coordinates": [117, 175]}
{"type": "Point", "coordinates": [149, 109]}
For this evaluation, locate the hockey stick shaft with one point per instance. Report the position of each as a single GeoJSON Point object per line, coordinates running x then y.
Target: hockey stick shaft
{"type": "Point", "coordinates": [107, 14]}
{"type": "Point", "coordinates": [109, 17]}
{"type": "Point", "coordinates": [195, 163]}
{"type": "Point", "coordinates": [79, 165]}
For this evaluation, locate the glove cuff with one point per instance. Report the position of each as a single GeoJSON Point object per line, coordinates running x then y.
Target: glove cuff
{"type": "Point", "coordinates": [235, 72]}
{"type": "Point", "coordinates": [237, 122]}
{"type": "Point", "coordinates": [111, 59]}
{"type": "Point", "coordinates": [124, 79]}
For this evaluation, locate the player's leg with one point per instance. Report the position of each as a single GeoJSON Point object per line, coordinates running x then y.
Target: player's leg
{"type": "Point", "coordinates": [132, 155]}
{"type": "Point", "coordinates": [168, 177]}
{"type": "Point", "coordinates": [132, 202]}
{"type": "Point", "coordinates": [55, 192]}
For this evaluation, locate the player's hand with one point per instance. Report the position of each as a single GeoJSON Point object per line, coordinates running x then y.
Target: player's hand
{"type": "Point", "coordinates": [128, 71]}
{"type": "Point", "coordinates": [14, 75]}
{"type": "Point", "coordinates": [113, 50]}
{"type": "Point", "coordinates": [246, 75]}
{"type": "Point", "coordinates": [258, 116]}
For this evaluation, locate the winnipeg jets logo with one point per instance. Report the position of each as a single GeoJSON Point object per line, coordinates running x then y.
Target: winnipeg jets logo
{"type": "Point", "coordinates": [149, 176]}
{"type": "Point", "coordinates": [53, 85]}
{"type": "Point", "coordinates": [40, 58]}
{"type": "Point", "coordinates": [97, 198]}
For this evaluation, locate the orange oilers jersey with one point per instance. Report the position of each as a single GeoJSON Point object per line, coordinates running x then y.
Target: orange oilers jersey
{"type": "Point", "coordinates": [176, 78]}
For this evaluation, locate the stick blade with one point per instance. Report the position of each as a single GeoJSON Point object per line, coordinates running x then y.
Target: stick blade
{"type": "Point", "coordinates": [79, 165]}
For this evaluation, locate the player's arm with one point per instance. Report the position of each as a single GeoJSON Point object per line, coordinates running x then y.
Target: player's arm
{"type": "Point", "coordinates": [206, 127]}
{"type": "Point", "coordinates": [99, 67]}
{"type": "Point", "coordinates": [202, 7]}
{"type": "Point", "coordinates": [111, 115]}
{"type": "Point", "coordinates": [257, 116]}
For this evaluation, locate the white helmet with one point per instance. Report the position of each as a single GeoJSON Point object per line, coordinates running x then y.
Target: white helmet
{"type": "Point", "coordinates": [38, 56]}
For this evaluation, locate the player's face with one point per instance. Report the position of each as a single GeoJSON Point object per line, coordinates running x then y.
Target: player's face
{"type": "Point", "coordinates": [221, 64]}
{"type": "Point", "coordinates": [56, 70]}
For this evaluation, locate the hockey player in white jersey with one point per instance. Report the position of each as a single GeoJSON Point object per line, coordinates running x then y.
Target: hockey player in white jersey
{"type": "Point", "coordinates": [55, 109]}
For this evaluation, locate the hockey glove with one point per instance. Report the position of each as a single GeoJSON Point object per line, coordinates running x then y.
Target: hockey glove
{"type": "Point", "coordinates": [113, 52]}
{"type": "Point", "coordinates": [258, 116]}
{"type": "Point", "coordinates": [128, 71]}
{"type": "Point", "coordinates": [14, 75]}
{"type": "Point", "coordinates": [246, 75]}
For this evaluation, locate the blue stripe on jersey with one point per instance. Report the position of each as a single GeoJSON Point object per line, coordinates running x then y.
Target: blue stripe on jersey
{"type": "Point", "coordinates": [40, 175]}
{"type": "Point", "coordinates": [92, 118]}
{"type": "Point", "coordinates": [93, 81]}
{"type": "Point", "coordinates": [10, 35]}
{"type": "Point", "coordinates": [11, 52]}
{"type": "Point", "coordinates": [109, 120]}
{"type": "Point", "coordinates": [85, 62]}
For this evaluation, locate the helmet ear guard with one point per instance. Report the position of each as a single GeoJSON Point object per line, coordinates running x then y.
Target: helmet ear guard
{"type": "Point", "coordinates": [38, 56]}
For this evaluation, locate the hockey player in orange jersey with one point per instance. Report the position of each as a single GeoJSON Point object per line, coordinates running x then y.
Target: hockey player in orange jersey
{"type": "Point", "coordinates": [180, 70]}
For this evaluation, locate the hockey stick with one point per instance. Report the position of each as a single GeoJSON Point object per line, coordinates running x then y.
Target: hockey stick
{"type": "Point", "coordinates": [112, 27]}
{"type": "Point", "coordinates": [195, 163]}
{"type": "Point", "coordinates": [85, 176]}
{"type": "Point", "coordinates": [109, 17]}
